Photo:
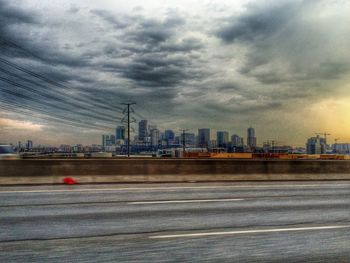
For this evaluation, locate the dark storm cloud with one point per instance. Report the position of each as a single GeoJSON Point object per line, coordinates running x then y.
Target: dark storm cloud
{"type": "Point", "coordinates": [272, 55]}
{"type": "Point", "coordinates": [329, 70]}
{"type": "Point", "coordinates": [140, 29]}
{"type": "Point", "coordinates": [289, 44]}
{"type": "Point", "coordinates": [158, 70]}
{"type": "Point", "coordinates": [12, 15]}
{"type": "Point", "coordinates": [235, 87]}
{"type": "Point", "coordinates": [118, 21]}
{"type": "Point", "coordinates": [259, 22]}
{"type": "Point", "coordinates": [185, 45]}
{"type": "Point", "coordinates": [156, 54]}
{"type": "Point", "coordinates": [151, 65]}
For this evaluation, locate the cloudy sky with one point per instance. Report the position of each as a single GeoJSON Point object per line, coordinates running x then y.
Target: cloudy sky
{"type": "Point", "coordinates": [281, 66]}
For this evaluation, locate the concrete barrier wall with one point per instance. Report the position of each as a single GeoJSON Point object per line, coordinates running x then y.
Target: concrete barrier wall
{"type": "Point", "coordinates": [168, 170]}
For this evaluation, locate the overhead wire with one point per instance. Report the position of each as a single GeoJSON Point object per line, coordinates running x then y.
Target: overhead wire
{"type": "Point", "coordinates": [55, 83]}
{"type": "Point", "coordinates": [33, 99]}
{"type": "Point", "coordinates": [56, 96]}
{"type": "Point", "coordinates": [31, 54]}
{"type": "Point", "coordinates": [94, 102]}
{"type": "Point", "coordinates": [45, 95]}
{"type": "Point", "coordinates": [50, 117]}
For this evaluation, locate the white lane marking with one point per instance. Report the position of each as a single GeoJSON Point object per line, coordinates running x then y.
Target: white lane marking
{"type": "Point", "coordinates": [186, 201]}
{"type": "Point", "coordinates": [249, 231]}
{"type": "Point", "coordinates": [170, 188]}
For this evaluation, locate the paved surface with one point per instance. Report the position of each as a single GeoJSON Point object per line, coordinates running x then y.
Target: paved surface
{"type": "Point", "coordinates": [231, 222]}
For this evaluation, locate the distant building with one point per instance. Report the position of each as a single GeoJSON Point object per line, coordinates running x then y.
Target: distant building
{"type": "Point", "coordinates": [105, 138]}
{"type": "Point", "coordinates": [112, 139]}
{"type": "Point", "coordinates": [212, 144]}
{"type": "Point", "coordinates": [237, 141]}
{"type": "Point", "coordinates": [316, 145]}
{"type": "Point", "coordinates": [203, 137]}
{"type": "Point", "coordinates": [343, 148]}
{"type": "Point", "coordinates": [65, 148]}
{"type": "Point", "coordinates": [155, 137]}
{"type": "Point", "coordinates": [120, 133]}
{"type": "Point", "coordinates": [190, 139]}
{"type": "Point", "coordinates": [251, 139]}
{"type": "Point", "coordinates": [77, 148]}
{"type": "Point", "coordinates": [222, 138]}
{"type": "Point", "coordinates": [143, 130]}
{"type": "Point", "coordinates": [169, 137]}
{"type": "Point", "coordinates": [29, 145]}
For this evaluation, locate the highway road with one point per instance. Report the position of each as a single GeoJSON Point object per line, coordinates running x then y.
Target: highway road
{"type": "Point", "coordinates": [214, 222]}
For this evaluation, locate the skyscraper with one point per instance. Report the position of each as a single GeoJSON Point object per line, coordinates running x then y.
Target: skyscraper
{"type": "Point", "coordinates": [316, 145]}
{"type": "Point", "coordinates": [112, 139]}
{"type": "Point", "coordinates": [29, 145]}
{"type": "Point", "coordinates": [154, 137]}
{"type": "Point", "coordinates": [251, 139]}
{"type": "Point", "coordinates": [143, 130]}
{"type": "Point", "coordinates": [236, 140]}
{"type": "Point", "coordinates": [189, 138]}
{"type": "Point", "coordinates": [105, 140]}
{"type": "Point", "coordinates": [120, 133]}
{"type": "Point", "coordinates": [203, 137]}
{"type": "Point", "coordinates": [169, 137]}
{"type": "Point", "coordinates": [222, 138]}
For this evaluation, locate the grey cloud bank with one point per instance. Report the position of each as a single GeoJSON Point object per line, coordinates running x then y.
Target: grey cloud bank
{"type": "Point", "coordinates": [268, 64]}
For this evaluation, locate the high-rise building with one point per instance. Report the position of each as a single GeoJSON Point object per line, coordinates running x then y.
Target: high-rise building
{"type": "Point", "coordinates": [236, 140]}
{"type": "Point", "coordinates": [316, 145]}
{"type": "Point", "coordinates": [222, 138]}
{"type": "Point", "coordinates": [169, 135]}
{"type": "Point", "coordinates": [155, 137]}
{"type": "Point", "coordinates": [105, 140]}
{"type": "Point", "coordinates": [112, 139]}
{"type": "Point", "coordinates": [203, 137]}
{"type": "Point", "coordinates": [251, 139]}
{"type": "Point", "coordinates": [120, 133]}
{"type": "Point", "coordinates": [190, 139]}
{"type": "Point", "coordinates": [29, 145]}
{"type": "Point", "coordinates": [143, 130]}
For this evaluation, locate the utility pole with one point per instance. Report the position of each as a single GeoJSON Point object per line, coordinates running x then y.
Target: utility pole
{"type": "Point", "coordinates": [183, 142]}
{"type": "Point", "coordinates": [128, 120]}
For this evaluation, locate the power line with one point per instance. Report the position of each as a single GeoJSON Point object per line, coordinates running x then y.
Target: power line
{"type": "Point", "coordinates": [40, 76]}
{"type": "Point", "coordinates": [10, 43]}
{"type": "Point", "coordinates": [101, 104]}
{"type": "Point", "coordinates": [43, 102]}
{"type": "Point", "coordinates": [59, 96]}
{"type": "Point", "coordinates": [91, 113]}
{"type": "Point", "coordinates": [62, 117]}
{"type": "Point", "coordinates": [47, 94]}
{"type": "Point", "coordinates": [63, 120]}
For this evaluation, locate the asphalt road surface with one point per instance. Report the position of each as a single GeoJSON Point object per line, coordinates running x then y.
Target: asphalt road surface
{"type": "Point", "coordinates": [227, 222]}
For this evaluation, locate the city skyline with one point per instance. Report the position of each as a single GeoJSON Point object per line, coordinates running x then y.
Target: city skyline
{"type": "Point", "coordinates": [203, 138]}
{"type": "Point", "coordinates": [187, 64]}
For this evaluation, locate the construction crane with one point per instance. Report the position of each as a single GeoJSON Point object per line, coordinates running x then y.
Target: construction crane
{"type": "Point", "coordinates": [325, 134]}
{"type": "Point", "coordinates": [273, 144]}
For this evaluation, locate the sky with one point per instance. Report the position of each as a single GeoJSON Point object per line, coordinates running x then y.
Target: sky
{"type": "Point", "coordinates": [280, 66]}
